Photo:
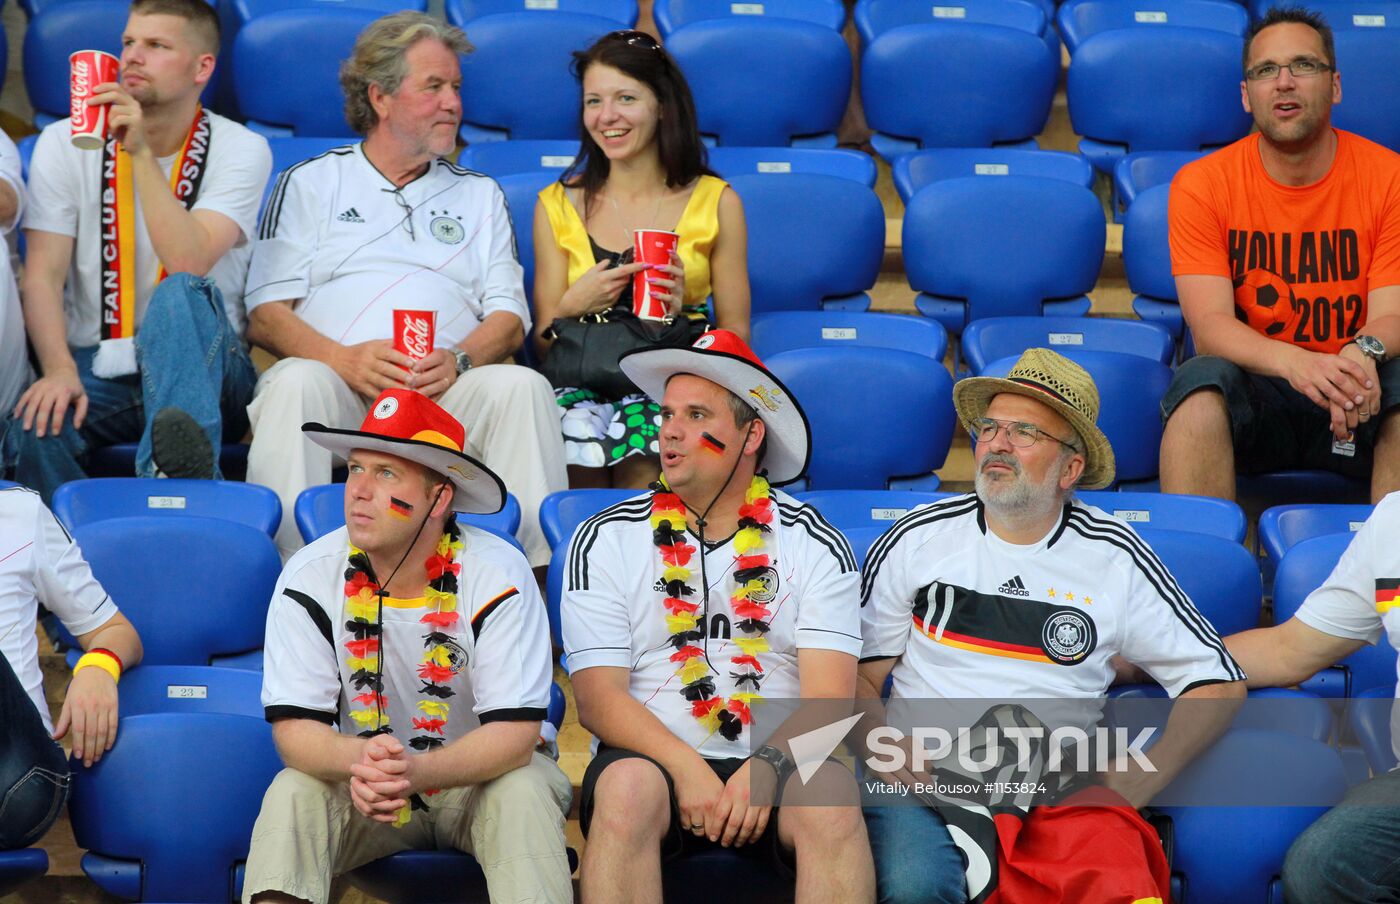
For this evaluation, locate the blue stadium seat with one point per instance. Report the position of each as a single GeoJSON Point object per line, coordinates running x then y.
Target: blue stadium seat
{"type": "Point", "coordinates": [737, 161]}
{"type": "Point", "coordinates": [1136, 173]}
{"type": "Point", "coordinates": [765, 82]}
{"type": "Point", "coordinates": [1369, 715]}
{"type": "Point", "coordinates": [191, 689]}
{"type": "Point", "coordinates": [554, 586]}
{"type": "Point", "coordinates": [312, 102]}
{"type": "Point", "coordinates": [995, 86]}
{"type": "Point", "coordinates": [1198, 514]}
{"type": "Point", "coordinates": [1023, 246]}
{"type": "Point", "coordinates": [1302, 570]}
{"type": "Point", "coordinates": [1229, 854]}
{"type": "Point", "coordinates": [915, 170]}
{"type": "Point", "coordinates": [863, 437]}
{"type": "Point", "coordinates": [1284, 526]}
{"type": "Point", "coordinates": [120, 461]}
{"type": "Point", "coordinates": [523, 56]}
{"type": "Point", "coordinates": [1189, 101]}
{"type": "Point", "coordinates": [245, 11]}
{"type": "Point", "coordinates": [1273, 708]}
{"type": "Point", "coordinates": [621, 12]}
{"type": "Point", "coordinates": [561, 513]}
{"type": "Point", "coordinates": [18, 867]}
{"type": "Point", "coordinates": [53, 35]}
{"type": "Point", "coordinates": [521, 191]}
{"type": "Point", "coordinates": [1218, 574]}
{"type": "Point", "coordinates": [875, 17]}
{"type": "Point", "coordinates": [813, 241]}
{"type": "Point", "coordinates": [505, 158]}
{"type": "Point", "coordinates": [1147, 261]}
{"type": "Point", "coordinates": [288, 151]}
{"type": "Point", "coordinates": [320, 510]}
{"type": "Point", "coordinates": [854, 509]}
{"type": "Point", "coordinates": [671, 15]}
{"type": "Point", "coordinates": [81, 502]}
{"type": "Point", "coordinates": [1130, 392]}
{"type": "Point", "coordinates": [780, 331]}
{"type": "Point", "coordinates": [154, 825]}
{"type": "Point", "coordinates": [1080, 20]}
{"type": "Point", "coordinates": [997, 337]}
{"type": "Point", "coordinates": [208, 600]}
{"type": "Point", "coordinates": [1342, 14]}
{"type": "Point", "coordinates": [1367, 59]}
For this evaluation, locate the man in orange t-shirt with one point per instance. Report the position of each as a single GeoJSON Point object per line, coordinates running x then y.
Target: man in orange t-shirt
{"type": "Point", "coordinates": [1286, 251]}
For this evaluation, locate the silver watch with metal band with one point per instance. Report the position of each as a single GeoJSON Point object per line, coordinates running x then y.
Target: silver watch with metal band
{"type": "Point", "coordinates": [1371, 347]}
{"type": "Point", "coordinates": [464, 360]}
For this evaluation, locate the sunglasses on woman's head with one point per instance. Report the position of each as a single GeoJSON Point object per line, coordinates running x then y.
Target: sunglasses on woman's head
{"type": "Point", "coordinates": [635, 38]}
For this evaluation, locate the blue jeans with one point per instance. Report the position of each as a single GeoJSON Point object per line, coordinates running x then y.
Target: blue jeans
{"type": "Point", "coordinates": [1352, 854]}
{"type": "Point", "coordinates": [34, 772]}
{"type": "Point", "coordinates": [916, 861]}
{"type": "Point", "coordinates": [189, 358]}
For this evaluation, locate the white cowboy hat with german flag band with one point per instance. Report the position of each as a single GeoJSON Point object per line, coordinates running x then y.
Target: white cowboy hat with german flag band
{"type": "Point", "coordinates": [723, 358]}
{"type": "Point", "coordinates": [412, 426]}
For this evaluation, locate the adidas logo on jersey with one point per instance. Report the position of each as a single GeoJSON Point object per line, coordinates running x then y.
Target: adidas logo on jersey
{"type": "Point", "coordinates": [351, 216]}
{"type": "Point", "coordinates": [1014, 587]}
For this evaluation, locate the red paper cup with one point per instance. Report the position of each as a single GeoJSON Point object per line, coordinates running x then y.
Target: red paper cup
{"type": "Point", "coordinates": [86, 70]}
{"type": "Point", "coordinates": [414, 332]}
{"type": "Point", "coordinates": [650, 246]}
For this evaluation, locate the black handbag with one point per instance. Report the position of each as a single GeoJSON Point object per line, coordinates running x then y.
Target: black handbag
{"type": "Point", "coordinates": [585, 350]}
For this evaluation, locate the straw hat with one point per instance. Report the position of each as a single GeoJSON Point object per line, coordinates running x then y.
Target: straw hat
{"type": "Point", "coordinates": [722, 357]}
{"type": "Point", "coordinates": [412, 426]}
{"type": "Point", "coordinates": [1052, 380]}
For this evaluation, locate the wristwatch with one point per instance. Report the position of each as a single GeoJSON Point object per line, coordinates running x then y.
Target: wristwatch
{"type": "Point", "coordinates": [774, 757]}
{"type": "Point", "coordinates": [464, 360]}
{"type": "Point", "coordinates": [1371, 347]}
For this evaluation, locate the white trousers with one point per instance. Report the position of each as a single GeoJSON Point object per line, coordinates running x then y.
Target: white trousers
{"type": "Point", "coordinates": [509, 412]}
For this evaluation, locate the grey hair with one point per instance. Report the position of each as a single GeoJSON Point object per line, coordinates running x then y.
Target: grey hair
{"type": "Point", "coordinates": [379, 58]}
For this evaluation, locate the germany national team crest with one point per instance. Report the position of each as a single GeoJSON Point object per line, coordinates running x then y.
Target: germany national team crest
{"type": "Point", "coordinates": [446, 228]}
{"type": "Point", "coordinates": [1068, 637]}
{"type": "Point", "coordinates": [768, 589]}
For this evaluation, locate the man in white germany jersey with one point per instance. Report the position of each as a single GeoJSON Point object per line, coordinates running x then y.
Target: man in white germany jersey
{"type": "Point", "coordinates": [1018, 591]}
{"type": "Point", "coordinates": [673, 643]}
{"type": "Point", "coordinates": [388, 224]}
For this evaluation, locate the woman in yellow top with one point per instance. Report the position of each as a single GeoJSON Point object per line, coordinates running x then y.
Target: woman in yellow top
{"type": "Point", "coordinates": [641, 165]}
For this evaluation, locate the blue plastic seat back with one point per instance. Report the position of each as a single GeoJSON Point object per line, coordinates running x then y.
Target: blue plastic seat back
{"type": "Point", "coordinates": [853, 509]}
{"type": "Point", "coordinates": [1368, 57]}
{"type": "Point", "coordinates": [176, 798]}
{"type": "Point", "coordinates": [1020, 241]}
{"type": "Point", "coordinates": [191, 689]}
{"type": "Point", "coordinates": [81, 502]}
{"type": "Point", "coordinates": [193, 587]}
{"type": "Point", "coordinates": [56, 33]}
{"type": "Point", "coordinates": [518, 79]}
{"type": "Point", "coordinates": [320, 510]}
{"type": "Point", "coordinates": [522, 191]}
{"type": "Point", "coordinates": [1284, 526]}
{"type": "Point", "coordinates": [738, 161]}
{"type": "Point", "coordinates": [1135, 173]}
{"type": "Point", "coordinates": [760, 81]}
{"type": "Point", "coordinates": [505, 158]}
{"type": "Point", "coordinates": [1079, 20]}
{"type": "Point", "coordinates": [915, 170]}
{"type": "Point", "coordinates": [1166, 88]}
{"type": "Point", "coordinates": [781, 331]}
{"type": "Point", "coordinates": [1218, 574]}
{"type": "Point", "coordinates": [994, 84]}
{"type": "Point", "coordinates": [1370, 714]}
{"type": "Point", "coordinates": [18, 867]}
{"type": "Point", "coordinates": [896, 420]}
{"type": "Point", "coordinates": [1272, 709]}
{"type": "Point", "coordinates": [462, 12]}
{"type": "Point", "coordinates": [561, 513]}
{"type": "Point", "coordinates": [1343, 14]}
{"type": "Point", "coordinates": [289, 151]}
{"type": "Point", "coordinates": [875, 17]}
{"type": "Point", "coordinates": [1302, 570]}
{"type": "Point", "coordinates": [1196, 514]}
{"type": "Point", "coordinates": [245, 11]}
{"type": "Point", "coordinates": [811, 237]}
{"type": "Point", "coordinates": [1146, 252]}
{"type": "Point", "coordinates": [1130, 394]}
{"type": "Point", "coordinates": [997, 337]}
{"type": "Point", "coordinates": [673, 14]}
{"type": "Point", "coordinates": [319, 39]}
{"type": "Point", "coordinates": [554, 589]}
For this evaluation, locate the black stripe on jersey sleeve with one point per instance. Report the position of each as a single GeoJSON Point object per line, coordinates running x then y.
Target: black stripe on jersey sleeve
{"type": "Point", "coordinates": [516, 714]}
{"type": "Point", "coordinates": [819, 529]}
{"type": "Point", "coordinates": [1146, 561]}
{"type": "Point", "coordinates": [279, 192]}
{"type": "Point", "coordinates": [313, 609]}
{"type": "Point", "coordinates": [627, 511]}
{"type": "Point", "coordinates": [278, 713]}
{"type": "Point", "coordinates": [919, 517]}
{"type": "Point", "coordinates": [479, 619]}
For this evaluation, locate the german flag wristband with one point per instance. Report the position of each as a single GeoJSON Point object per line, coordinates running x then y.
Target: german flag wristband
{"type": "Point", "coordinates": [105, 660]}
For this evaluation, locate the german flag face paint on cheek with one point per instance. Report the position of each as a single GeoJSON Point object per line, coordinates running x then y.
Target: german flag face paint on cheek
{"type": "Point", "coordinates": [400, 509]}
{"type": "Point", "coordinates": [709, 442]}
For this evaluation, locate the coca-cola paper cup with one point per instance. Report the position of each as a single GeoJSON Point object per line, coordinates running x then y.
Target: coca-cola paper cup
{"type": "Point", "coordinates": [86, 70]}
{"type": "Point", "coordinates": [650, 246]}
{"type": "Point", "coordinates": [414, 332]}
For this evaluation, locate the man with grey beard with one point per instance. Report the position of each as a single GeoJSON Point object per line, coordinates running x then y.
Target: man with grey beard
{"type": "Point", "coordinates": [1021, 592]}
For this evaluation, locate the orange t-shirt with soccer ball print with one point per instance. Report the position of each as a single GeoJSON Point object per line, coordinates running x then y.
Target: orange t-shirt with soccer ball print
{"type": "Point", "coordinates": [1302, 260]}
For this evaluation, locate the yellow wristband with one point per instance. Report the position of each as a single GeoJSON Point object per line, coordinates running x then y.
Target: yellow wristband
{"type": "Point", "coordinates": [102, 661]}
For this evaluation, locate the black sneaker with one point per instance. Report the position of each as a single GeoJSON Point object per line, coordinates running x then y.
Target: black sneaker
{"type": "Point", "coordinates": [179, 446]}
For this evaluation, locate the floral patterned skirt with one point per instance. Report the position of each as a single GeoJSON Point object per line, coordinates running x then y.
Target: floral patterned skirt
{"type": "Point", "coordinates": [599, 433]}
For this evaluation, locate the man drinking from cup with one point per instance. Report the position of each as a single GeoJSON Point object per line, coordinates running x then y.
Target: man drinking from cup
{"type": "Point", "coordinates": [137, 254]}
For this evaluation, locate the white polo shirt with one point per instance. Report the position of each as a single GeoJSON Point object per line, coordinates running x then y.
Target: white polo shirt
{"type": "Point", "coordinates": [499, 647]}
{"type": "Point", "coordinates": [40, 562]}
{"type": "Point", "coordinates": [348, 248]}
{"type": "Point", "coordinates": [65, 190]}
{"type": "Point", "coordinates": [970, 615]}
{"type": "Point", "coordinates": [613, 615]}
